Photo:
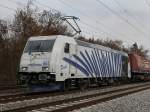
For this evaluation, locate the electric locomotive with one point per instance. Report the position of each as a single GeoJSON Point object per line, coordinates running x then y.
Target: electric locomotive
{"type": "Point", "coordinates": [61, 62]}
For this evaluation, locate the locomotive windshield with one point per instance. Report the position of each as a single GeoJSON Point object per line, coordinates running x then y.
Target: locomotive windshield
{"type": "Point", "coordinates": [39, 46]}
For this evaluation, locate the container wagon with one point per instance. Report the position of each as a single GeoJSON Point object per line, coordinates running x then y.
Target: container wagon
{"type": "Point", "coordinates": [140, 67]}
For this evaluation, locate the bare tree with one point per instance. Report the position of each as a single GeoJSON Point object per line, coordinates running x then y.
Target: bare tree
{"type": "Point", "coordinates": [140, 50]}
{"type": "Point", "coordinates": [27, 22]}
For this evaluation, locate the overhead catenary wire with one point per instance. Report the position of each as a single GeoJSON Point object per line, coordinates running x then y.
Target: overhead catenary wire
{"type": "Point", "coordinates": [97, 19]}
{"type": "Point", "coordinates": [92, 31]}
{"type": "Point", "coordinates": [6, 7]}
{"type": "Point", "coordinates": [15, 2]}
{"type": "Point", "coordinates": [95, 33]}
{"type": "Point", "coordinates": [11, 29]}
{"type": "Point", "coordinates": [44, 5]}
{"type": "Point", "coordinates": [90, 25]}
{"type": "Point", "coordinates": [85, 23]}
{"type": "Point", "coordinates": [64, 4]}
{"type": "Point", "coordinates": [82, 22]}
{"type": "Point", "coordinates": [91, 34]}
{"type": "Point", "coordinates": [41, 4]}
{"type": "Point", "coordinates": [121, 17]}
{"type": "Point", "coordinates": [84, 14]}
{"type": "Point", "coordinates": [50, 8]}
{"type": "Point", "coordinates": [131, 16]}
{"type": "Point", "coordinates": [95, 28]}
{"type": "Point", "coordinates": [59, 1]}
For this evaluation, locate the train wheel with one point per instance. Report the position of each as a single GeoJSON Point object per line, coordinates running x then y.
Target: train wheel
{"type": "Point", "coordinates": [66, 85]}
{"type": "Point", "coordinates": [110, 82]}
{"type": "Point", "coordinates": [83, 84]}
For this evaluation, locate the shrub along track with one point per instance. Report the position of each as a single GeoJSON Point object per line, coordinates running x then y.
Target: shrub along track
{"type": "Point", "coordinates": [63, 105]}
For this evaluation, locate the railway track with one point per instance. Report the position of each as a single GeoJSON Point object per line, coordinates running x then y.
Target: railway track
{"type": "Point", "coordinates": [77, 101]}
{"type": "Point", "coordinates": [26, 96]}
{"type": "Point", "coordinates": [29, 96]}
{"type": "Point", "coordinates": [80, 103]}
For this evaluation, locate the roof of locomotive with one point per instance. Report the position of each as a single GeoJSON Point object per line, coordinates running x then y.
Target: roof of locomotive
{"type": "Point", "coordinates": [79, 42]}
{"type": "Point", "coordinates": [97, 46]}
{"type": "Point", "coordinates": [43, 37]}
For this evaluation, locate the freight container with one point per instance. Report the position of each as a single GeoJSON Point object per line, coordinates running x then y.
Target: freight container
{"type": "Point", "coordinates": [140, 67]}
{"type": "Point", "coordinates": [139, 64]}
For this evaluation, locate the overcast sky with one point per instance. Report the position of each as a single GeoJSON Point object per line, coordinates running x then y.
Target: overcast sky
{"type": "Point", "coordinates": [127, 20]}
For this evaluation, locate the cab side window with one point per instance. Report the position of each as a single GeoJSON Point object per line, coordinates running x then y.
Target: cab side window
{"type": "Point", "coordinates": [66, 48]}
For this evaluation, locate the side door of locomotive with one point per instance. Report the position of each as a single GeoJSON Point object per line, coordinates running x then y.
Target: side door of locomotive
{"type": "Point", "coordinates": [73, 51]}
{"type": "Point", "coordinates": [66, 67]}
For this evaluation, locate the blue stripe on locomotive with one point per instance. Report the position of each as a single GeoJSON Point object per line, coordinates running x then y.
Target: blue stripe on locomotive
{"type": "Point", "coordinates": [99, 63]}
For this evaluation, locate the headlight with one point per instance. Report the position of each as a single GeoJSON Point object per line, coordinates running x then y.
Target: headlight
{"type": "Point", "coordinates": [45, 68]}
{"type": "Point", "coordinates": [24, 68]}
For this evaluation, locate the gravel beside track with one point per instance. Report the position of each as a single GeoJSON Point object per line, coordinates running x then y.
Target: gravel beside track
{"type": "Point", "coordinates": [137, 102]}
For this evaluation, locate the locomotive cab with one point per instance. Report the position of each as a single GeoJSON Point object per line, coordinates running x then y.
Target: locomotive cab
{"type": "Point", "coordinates": [41, 64]}
{"type": "Point", "coordinates": [35, 68]}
